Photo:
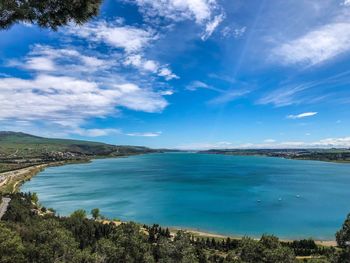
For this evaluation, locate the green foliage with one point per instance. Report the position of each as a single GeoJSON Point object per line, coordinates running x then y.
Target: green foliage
{"type": "Point", "coordinates": [11, 247]}
{"type": "Point", "coordinates": [267, 250]}
{"type": "Point", "coordinates": [95, 213]}
{"type": "Point", "coordinates": [79, 214]}
{"type": "Point", "coordinates": [127, 244]}
{"type": "Point", "coordinates": [47, 13]}
{"type": "Point", "coordinates": [180, 250]}
{"type": "Point", "coordinates": [343, 235]}
{"type": "Point", "coordinates": [26, 236]}
{"type": "Point", "coordinates": [34, 198]}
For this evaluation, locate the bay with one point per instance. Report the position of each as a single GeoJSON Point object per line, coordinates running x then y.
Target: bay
{"type": "Point", "coordinates": [231, 195]}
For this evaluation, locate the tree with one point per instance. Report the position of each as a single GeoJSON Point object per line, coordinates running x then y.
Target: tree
{"type": "Point", "coordinates": [179, 250]}
{"type": "Point", "coordinates": [47, 241]}
{"type": "Point", "coordinates": [34, 198]}
{"type": "Point", "coordinates": [343, 235]}
{"type": "Point", "coordinates": [79, 214]}
{"type": "Point", "coordinates": [47, 13]}
{"type": "Point", "coordinates": [11, 247]}
{"type": "Point", "coordinates": [95, 213]}
{"type": "Point", "coordinates": [127, 244]}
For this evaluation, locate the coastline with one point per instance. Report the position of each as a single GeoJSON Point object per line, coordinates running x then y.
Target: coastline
{"type": "Point", "coordinates": [15, 178]}
{"type": "Point", "coordinates": [204, 234]}
{"type": "Point", "coordinates": [19, 176]}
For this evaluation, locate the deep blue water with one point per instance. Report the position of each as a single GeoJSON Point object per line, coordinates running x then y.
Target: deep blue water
{"type": "Point", "coordinates": [214, 193]}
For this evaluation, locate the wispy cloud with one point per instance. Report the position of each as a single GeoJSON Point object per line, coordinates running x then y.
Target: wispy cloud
{"type": "Point", "coordinates": [195, 85]}
{"type": "Point", "coordinates": [232, 31]}
{"type": "Point", "coordinates": [341, 142]}
{"type": "Point", "coordinates": [205, 146]}
{"type": "Point", "coordinates": [346, 3]}
{"type": "Point", "coordinates": [318, 45]}
{"type": "Point", "coordinates": [211, 26]}
{"type": "Point", "coordinates": [137, 61]}
{"type": "Point", "coordinates": [144, 134]}
{"type": "Point", "coordinates": [204, 12]}
{"type": "Point", "coordinates": [301, 115]}
{"type": "Point", "coordinates": [225, 95]}
{"type": "Point", "coordinates": [114, 34]}
{"type": "Point", "coordinates": [229, 95]}
{"type": "Point", "coordinates": [307, 92]}
{"type": "Point", "coordinates": [95, 132]}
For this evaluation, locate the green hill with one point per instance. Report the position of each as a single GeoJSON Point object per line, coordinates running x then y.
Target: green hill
{"type": "Point", "coordinates": [20, 149]}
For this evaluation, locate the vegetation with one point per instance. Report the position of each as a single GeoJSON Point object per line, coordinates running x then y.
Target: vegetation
{"type": "Point", "coordinates": [328, 155]}
{"type": "Point", "coordinates": [30, 233]}
{"type": "Point", "coordinates": [47, 13]}
{"type": "Point", "coordinates": [18, 150]}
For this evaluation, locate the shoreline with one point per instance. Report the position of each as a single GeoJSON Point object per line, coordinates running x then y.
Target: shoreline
{"type": "Point", "coordinates": [15, 178]}
{"type": "Point", "coordinates": [20, 176]}
{"type": "Point", "coordinates": [204, 234]}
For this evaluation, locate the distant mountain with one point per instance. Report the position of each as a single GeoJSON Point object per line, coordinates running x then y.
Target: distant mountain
{"type": "Point", "coordinates": [27, 143]}
{"type": "Point", "coordinates": [21, 148]}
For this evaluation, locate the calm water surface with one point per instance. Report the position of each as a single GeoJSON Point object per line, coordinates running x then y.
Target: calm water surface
{"type": "Point", "coordinates": [238, 195]}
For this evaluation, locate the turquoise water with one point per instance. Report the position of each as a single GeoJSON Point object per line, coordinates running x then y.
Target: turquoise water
{"type": "Point", "coordinates": [214, 193]}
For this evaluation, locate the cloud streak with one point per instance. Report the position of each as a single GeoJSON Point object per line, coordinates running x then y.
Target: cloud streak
{"type": "Point", "coordinates": [301, 115]}
{"type": "Point", "coordinates": [316, 46]}
{"type": "Point", "coordinates": [206, 13]}
{"type": "Point", "coordinates": [144, 134]}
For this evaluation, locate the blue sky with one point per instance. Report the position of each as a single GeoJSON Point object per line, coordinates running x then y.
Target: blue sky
{"type": "Point", "coordinates": [189, 74]}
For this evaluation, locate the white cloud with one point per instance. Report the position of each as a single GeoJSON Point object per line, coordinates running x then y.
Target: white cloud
{"type": "Point", "coordinates": [229, 95]}
{"type": "Point", "coordinates": [131, 39]}
{"type": "Point", "coordinates": [167, 73]}
{"type": "Point", "coordinates": [319, 45]}
{"type": "Point", "coordinates": [199, 10]}
{"type": "Point", "coordinates": [302, 115]}
{"type": "Point", "coordinates": [167, 92]}
{"type": "Point", "coordinates": [205, 146]}
{"type": "Point", "coordinates": [95, 132]}
{"type": "Point", "coordinates": [137, 61]}
{"type": "Point", "coordinates": [67, 99]}
{"type": "Point", "coordinates": [203, 12]}
{"type": "Point", "coordinates": [284, 96]}
{"type": "Point", "coordinates": [195, 85]}
{"type": "Point", "coordinates": [236, 32]}
{"type": "Point", "coordinates": [342, 142]}
{"type": "Point", "coordinates": [40, 63]}
{"type": "Point", "coordinates": [211, 26]}
{"type": "Point", "coordinates": [144, 134]}
{"type": "Point", "coordinates": [346, 2]}
{"type": "Point", "coordinates": [61, 61]}
{"type": "Point", "coordinates": [151, 65]}
{"type": "Point", "coordinates": [269, 141]}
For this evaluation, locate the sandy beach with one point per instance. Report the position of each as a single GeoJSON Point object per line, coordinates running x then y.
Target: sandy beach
{"type": "Point", "coordinates": [202, 234]}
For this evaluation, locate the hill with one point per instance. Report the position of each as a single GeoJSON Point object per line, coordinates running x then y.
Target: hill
{"type": "Point", "coordinates": [19, 150]}
{"type": "Point", "coordinates": [327, 155]}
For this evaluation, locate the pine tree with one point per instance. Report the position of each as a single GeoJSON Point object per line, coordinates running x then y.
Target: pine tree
{"type": "Point", "coordinates": [47, 13]}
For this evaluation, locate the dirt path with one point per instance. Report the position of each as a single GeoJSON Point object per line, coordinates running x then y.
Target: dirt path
{"type": "Point", "coordinates": [3, 206]}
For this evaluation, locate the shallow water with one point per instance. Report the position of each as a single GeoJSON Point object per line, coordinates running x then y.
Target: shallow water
{"type": "Point", "coordinates": [236, 195]}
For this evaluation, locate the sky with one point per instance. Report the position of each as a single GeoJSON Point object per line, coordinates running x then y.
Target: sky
{"type": "Point", "coordinates": [186, 74]}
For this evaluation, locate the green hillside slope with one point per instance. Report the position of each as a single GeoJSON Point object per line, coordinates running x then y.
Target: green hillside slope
{"type": "Point", "coordinates": [19, 150]}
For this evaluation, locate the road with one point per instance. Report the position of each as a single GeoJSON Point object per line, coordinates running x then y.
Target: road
{"type": "Point", "coordinates": [3, 206]}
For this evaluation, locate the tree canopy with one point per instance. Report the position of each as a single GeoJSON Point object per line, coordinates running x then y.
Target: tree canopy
{"type": "Point", "coordinates": [47, 13]}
